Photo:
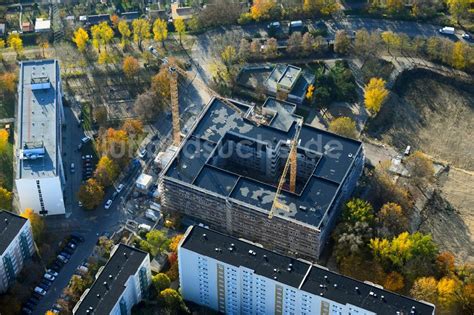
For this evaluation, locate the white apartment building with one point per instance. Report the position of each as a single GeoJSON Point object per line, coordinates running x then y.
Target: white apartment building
{"type": "Point", "coordinates": [119, 285]}
{"type": "Point", "coordinates": [39, 177]}
{"type": "Point", "coordinates": [234, 276]}
{"type": "Point", "coordinates": [16, 246]}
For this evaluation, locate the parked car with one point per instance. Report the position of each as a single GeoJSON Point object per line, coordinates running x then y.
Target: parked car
{"type": "Point", "coordinates": [108, 204]}
{"type": "Point", "coordinates": [44, 285]}
{"type": "Point", "coordinates": [68, 250]}
{"type": "Point", "coordinates": [29, 305]}
{"type": "Point", "coordinates": [62, 259]}
{"type": "Point", "coordinates": [448, 30]}
{"type": "Point", "coordinates": [142, 154]}
{"type": "Point", "coordinates": [49, 277]}
{"type": "Point", "coordinates": [119, 188]}
{"type": "Point", "coordinates": [86, 139]}
{"type": "Point", "coordinates": [33, 300]}
{"type": "Point", "coordinates": [52, 272]}
{"type": "Point", "coordinates": [466, 36]}
{"type": "Point", "coordinates": [40, 291]}
{"type": "Point", "coordinates": [87, 157]}
{"type": "Point", "coordinates": [73, 168]}
{"type": "Point", "coordinates": [77, 237]}
{"type": "Point", "coordinates": [71, 245]}
{"type": "Point", "coordinates": [26, 310]}
{"type": "Point", "coordinates": [65, 255]}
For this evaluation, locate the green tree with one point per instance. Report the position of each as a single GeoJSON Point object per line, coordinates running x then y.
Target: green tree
{"type": "Point", "coordinates": [358, 210]}
{"type": "Point", "coordinates": [90, 194]}
{"type": "Point", "coordinates": [161, 282]}
{"type": "Point", "coordinates": [229, 56]}
{"type": "Point", "coordinates": [160, 31]}
{"type": "Point", "coordinates": [391, 40]}
{"type": "Point", "coordinates": [343, 126]}
{"type": "Point", "coordinates": [156, 239]}
{"type": "Point", "coordinates": [172, 298]}
{"type": "Point", "coordinates": [180, 27]}
{"type": "Point", "coordinates": [141, 31]}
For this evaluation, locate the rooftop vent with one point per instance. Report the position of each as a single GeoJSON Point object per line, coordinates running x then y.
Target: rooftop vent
{"type": "Point", "coordinates": [111, 277]}
{"type": "Point", "coordinates": [204, 236]}
{"type": "Point", "coordinates": [98, 295]}
{"type": "Point", "coordinates": [125, 255]}
{"type": "Point", "coordinates": [6, 221]}
{"type": "Point", "coordinates": [335, 285]}
{"type": "Point", "coordinates": [265, 257]}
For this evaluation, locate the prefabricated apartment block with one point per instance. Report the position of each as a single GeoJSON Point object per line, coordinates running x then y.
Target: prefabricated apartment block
{"type": "Point", "coordinates": [39, 177]}
{"type": "Point", "coordinates": [226, 171]}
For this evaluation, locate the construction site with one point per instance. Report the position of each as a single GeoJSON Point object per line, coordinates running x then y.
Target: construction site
{"type": "Point", "coordinates": [259, 172]}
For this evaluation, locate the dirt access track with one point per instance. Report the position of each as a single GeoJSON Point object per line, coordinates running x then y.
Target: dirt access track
{"type": "Point", "coordinates": [435, 114]}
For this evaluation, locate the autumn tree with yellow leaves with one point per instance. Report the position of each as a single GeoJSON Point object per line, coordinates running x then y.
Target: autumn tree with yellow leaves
{"type": "Point", "coordinates": [102, 34]}
{"type": "Point", "coordinates": [90, 194]}
{"type": "Point", "coordinates": [260, 9]}
{"type": "Point", "coordinates": [130, 67]}
{"type": "Point", "coordinates": [160, 31]}
{"type": "Point", "coordinates": [37, 222]}
{"type": "Point", "coordinates": [5, 199]}
{"type": "Point", "coordinates": [4, 135]}
{"type": "Point", "coordinates": [16, 43]}
{"type": "Point", "coordinates": [180, 27]}
{"type": "Point", "coordinates": [141, 31]}
{"type": "Point", "coordinates": [375, 94]}
{"type": "Point", "coordinates": [81, 37]}
{"type": "Point", "coordinates": [106, 171]}
{"type": "Point", "coordinates": [343, 126]}
{"type": "Point", "coordinates": [125, 32]}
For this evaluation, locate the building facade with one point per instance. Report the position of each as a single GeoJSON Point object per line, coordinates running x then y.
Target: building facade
{"type": "Point", "coordinates": [39, 168]}
{"type": "Point", "coordinates": [16, 247]}
{"type": "Point", "coordinates": [119, 285]}
{"type": "Point", "coordinates": [234, 276]}
{"type": "Point", "coordinates": [225, 174]}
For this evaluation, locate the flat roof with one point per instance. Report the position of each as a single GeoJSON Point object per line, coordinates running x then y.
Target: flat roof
{"type": "Point", "coordinates": [123, 264]}
{"type": "Point", "coordinates": [10, 225]}
{"type": "Point", "coordinates": [311, 278]}
{"type": "Point", "coordinates": [195, 164]}
{"type": "Point", "coordinates": [38, 117]}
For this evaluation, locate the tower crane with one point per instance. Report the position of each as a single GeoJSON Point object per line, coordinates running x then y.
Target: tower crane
{"type": "Point", "coordinates": [174, 70]}
{"type": "Point", "coordinates": [291, 165]}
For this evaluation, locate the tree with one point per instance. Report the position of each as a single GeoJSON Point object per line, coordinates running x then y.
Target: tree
{"type": "Point", "coordinates": [310, 92]}
{"type": "Point", "coordinates": [446, 263]}
{"type": "Point", "coordinates": [342, 43]}
{"type": "Point", "coordinates": [5, 199]}
{"type": "Point", "coordinates": [115, 20]}
{"type": "Point", "coordinates": [15, 42]}
{"type": "Point", "coordinates": [244, 49]}
{"type": "Point", "coordinates": [392, 219]}
{"type": "Point", "coordinates": [343, 126]}
{"type": "Point", "coordinates": [229, 56]}
{"type": "Point", "coordinates": [458, 8]}
{"type": "Point", "coordinates": [146, 106]}
{"type": "Point", "coordinates": [311, 7]}
{"type": "Point", "coordinates": [394, 6]}
{"type": "Point", "coordinates": [420, 168]}
{"type": "Point", "coordinates": [358, 210]}
{"type": "Point", "coordinates": [43, 43]}
{"type": "Point", "coordinates": [90, 194]}
{"type": "Point", "coordinates": [362, 45]}
{"type": "Point", "coordinates": [180, 27]}
{"type": "Point", "coordinates": [105, 58]}
{"type": "Point", "coordinates": [294, 44]}
{"type": "Point", "coordinates": [49, 313]}
{"type": "Point", "coordinates": [141, 31]}
{"type": "Point", "coordinates": [8, 82]}
{"type": "Point", "coordinates": [106, 171]}
{"type": "Point", "coordinates": [404, 247]}
{"type": "Point", "coordinates": [459, 52]}
{"type": "Point", "coordinates": [447, 287]}
{"type": "Point", "coordinates": [3, 141]}
{"type": "Point", "coordinates": [173, 246]}
{"type": "Point", "coordinates": [255, 48]}
{"type": "Point", "coordinates": [131, 67]}
{"type": "Point", "coordinates": [308, 43]}
{"type": "Point", "coordinates": [260, 9]}
{"type": "Point", "coordinates": [80, 38]}
{"type": "Point", "coordinates": [37, 222]}
{"type": "Point", "coordinates": [394, 281]}
{"type": "Point", "coordinates": [102, 34]}
{"type": "Point", "coordinates": [156, 238]}
{"type": "Point", "coordinates": [125, 31]}
{"type": "Point", "coordinates": [425, 288]}
{"type": "Point", "coordinates": [132, 127]}
{"type": "Point", "coordinates": [351, 239]}
{"type": "Point", "coordinates": [2, 43]}
{"type": "Point", "coordinates": [172, 298]}
{"type": "Point", "coordinates": [375, 94]}
{"type": "Point", "coordinates": [271, 48]}
{"type": "Point", "coordinates": [173, 272]}
{"type": "Point", "coordinates": [391, 40]}
{"type": "Point", "coordinates": [161, 282]}
{"type": "Point", "coordinates": [160, 31]}
{"type": "Point", "coordinates": [116, 145]}
{"type": "Point", "coordinates": [160, 84]}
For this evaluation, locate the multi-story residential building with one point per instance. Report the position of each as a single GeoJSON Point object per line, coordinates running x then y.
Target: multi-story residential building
{"type": "Point", "coordinates": [119, 285]}
{"type": "Point", "coordinates": [226, 172]}
{"type": "Point", "coordinates": [16, 246]}
{"type": "Point", "coordinates": [39, 167]}
{"type": "Point", "coordinates": [234, 276]}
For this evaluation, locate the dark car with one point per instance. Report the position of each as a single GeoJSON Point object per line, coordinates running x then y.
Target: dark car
{"type": "Point", "coordinates": [45, 284]}
{"type": "Point", "coordinates": [33, 300]}
{"type": "Point", "coordinates": [68, 250]}
{"type": "Point", "coordinates": [77, 237]}
{"type": "Point", "coordinates": [64, 254]}
{"type": "Point", "coordinates": [72, 245]}
{"type": "Point", "coordinates": [26, 310]}
{"type": "Point", "coordinates": [36, 295]}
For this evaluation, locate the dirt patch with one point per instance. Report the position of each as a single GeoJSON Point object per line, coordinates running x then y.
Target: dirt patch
{"type": "Point", "coordinates": [449, 217]}
{"type": "Point", "coordinates": [431, 113]}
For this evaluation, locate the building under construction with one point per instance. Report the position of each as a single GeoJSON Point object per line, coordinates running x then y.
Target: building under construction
{"type": "Point", "coordinates": [226, 172]}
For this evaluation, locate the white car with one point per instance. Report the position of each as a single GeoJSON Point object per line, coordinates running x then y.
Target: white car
{"type": "Point", "coordinates": [86, 139]}
{"type": "Point", "coordinates": [108, 204]}
{"type": "Point", "coordinates": [52, 272]}
{"type": "Point", "coordinates": [142, 153]}
{"type": "Point", "coordinates": [119, 188]}
{"type": "Point", "coordinates": [49, 277]}
{"type": "Point", "coordinates": [40, 291]}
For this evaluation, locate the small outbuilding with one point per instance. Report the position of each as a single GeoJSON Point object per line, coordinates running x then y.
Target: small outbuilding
{"type": "Point", "coordinates": [144, 181]}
